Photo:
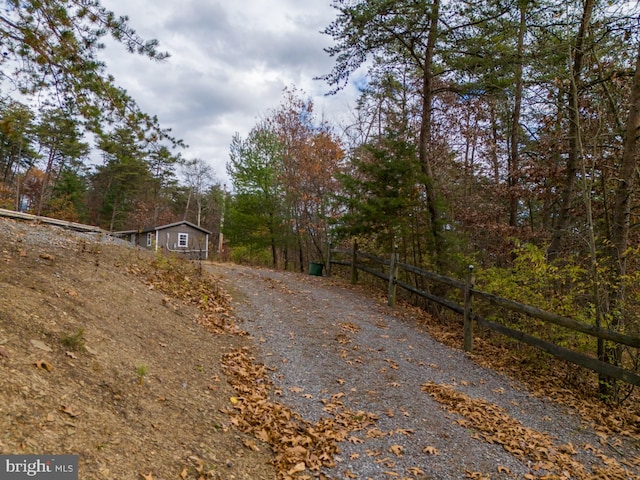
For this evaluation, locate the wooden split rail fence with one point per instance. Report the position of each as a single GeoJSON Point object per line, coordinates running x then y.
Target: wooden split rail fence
{"type": "Point", "coordinates": [388, 270]}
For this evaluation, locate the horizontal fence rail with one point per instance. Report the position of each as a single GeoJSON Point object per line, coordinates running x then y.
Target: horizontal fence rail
{"type": "Point", "coordinates": [79, 227]}
{"type": "Point", "coordinates": [360, 261]}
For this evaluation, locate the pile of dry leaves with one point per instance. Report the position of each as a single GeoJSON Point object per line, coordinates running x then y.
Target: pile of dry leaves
{"type": "Point", "coordinates": [494, 425]}
{"type": "Point", "coordinates": [300, 446]}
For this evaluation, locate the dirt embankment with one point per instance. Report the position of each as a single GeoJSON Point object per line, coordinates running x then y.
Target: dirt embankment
{"type": "Point", "coordinates": [95, 360]}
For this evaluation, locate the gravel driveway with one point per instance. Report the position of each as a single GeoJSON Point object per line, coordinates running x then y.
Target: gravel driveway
{"type": "Point", "coordinates": [324, 339]}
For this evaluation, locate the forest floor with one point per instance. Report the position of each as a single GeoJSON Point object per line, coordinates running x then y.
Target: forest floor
{"type": "Point", "coordinates": [147, 368]}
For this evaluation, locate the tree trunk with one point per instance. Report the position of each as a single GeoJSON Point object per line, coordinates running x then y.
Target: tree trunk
{"type": "Point", "coordinates": [620, 223]}
{"type": "Point", "coordinates": [621, 215]}
{"type": "Point", "coordinates": [568, 192]}
{"type": "Point", "coordinates": [113, 215]}
{"type": "Point", "coordinates": [45, 180]}
{"type": "Point", "coordinates": [199, 205]}
{"type": "Point", "coordinates": [426, 144]}
{"type": "Point", "coordinates": [186, 208]}
{"type": "Point", "coordinates": [514, 161]}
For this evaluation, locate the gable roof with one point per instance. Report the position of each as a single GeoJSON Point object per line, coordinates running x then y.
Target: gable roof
{"type": "Point", "coordinates": [164, 227]}
{"type": "Point", "coordinates": [175, 224]}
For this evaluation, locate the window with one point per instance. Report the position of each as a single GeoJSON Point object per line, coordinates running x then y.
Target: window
{"type": "Point", "coordinates": [183, 240]}
{"type": "Point", "coordinates": [149, 239]}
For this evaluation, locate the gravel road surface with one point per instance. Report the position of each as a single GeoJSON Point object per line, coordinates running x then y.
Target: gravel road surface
{"type": "Point", "coordinates": [324, 341]}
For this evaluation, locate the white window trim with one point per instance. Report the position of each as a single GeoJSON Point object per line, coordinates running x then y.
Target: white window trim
{"type": "Point", "coordinates": [183, 240]}
{"type": "Point", "coordinates": [149, 239]}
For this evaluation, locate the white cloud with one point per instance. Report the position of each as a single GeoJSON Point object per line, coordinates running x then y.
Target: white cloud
{"type": "Point", "coordinates": [229, 64]}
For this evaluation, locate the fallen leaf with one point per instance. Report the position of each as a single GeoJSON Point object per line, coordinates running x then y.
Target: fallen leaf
{"type": "Point", "coordinates": [71, 355]}
{"type": "Point", "coordinates": [200, 464]}
{"type": "Point", "coordinates": [44, 365]}
{"type": "Point", "coordinates": [502, 469]}
{"type": "Point", "coordinates": [69, 411]}
{"type": "Point", "coordinates": [568, 448]}
{"type": "Point", "coordinates": [396, 450]}
{"type": "Point", "coordinates": [148, 476]}
{"type": "Point", "coordinates": [375, 433]}
{"type": "Point", "coordinates": [250, 444]}
{"type": "Point", "coordinates": [476, 475]}
{"type": "Point", "coordinates": [431, 450]}
{"type": "Point", "coordinates": [183, 474]}
{"type": "Point", "coordinates": [298, 467]}
{"type": "Point", "coordinates": [297, 451]}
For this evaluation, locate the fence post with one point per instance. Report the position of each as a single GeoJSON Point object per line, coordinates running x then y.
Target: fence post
{"type": "Point", "coordinates": [354, 261]}
{"type": "Point", "coordinates": [329, 259]}
{"type": "Point", "coordinates": [468, 311]}
{"type": "Point", "coordinates": [393, 277]}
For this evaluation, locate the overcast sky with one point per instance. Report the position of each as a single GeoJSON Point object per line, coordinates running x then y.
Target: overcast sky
{"type": "Point", "coordinates": [230, 60]}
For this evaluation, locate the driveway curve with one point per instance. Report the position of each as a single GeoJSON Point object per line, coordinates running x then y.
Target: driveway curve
{"type": "Point", "coordinates": [322, 339]}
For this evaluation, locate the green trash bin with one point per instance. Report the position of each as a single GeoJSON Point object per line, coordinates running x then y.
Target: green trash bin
{"type": "Point", "coordinates": [316, 269]}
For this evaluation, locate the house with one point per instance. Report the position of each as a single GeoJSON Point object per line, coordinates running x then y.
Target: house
{"type": "Point", "coordinates": [179, 237]}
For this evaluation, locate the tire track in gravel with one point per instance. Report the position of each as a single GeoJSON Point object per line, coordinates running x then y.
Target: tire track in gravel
{"type": "Point", "coordinates": [323, 340]}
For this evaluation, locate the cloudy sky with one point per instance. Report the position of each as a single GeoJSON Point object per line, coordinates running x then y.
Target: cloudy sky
{"type": "Point", "coordinates": [230, 61]}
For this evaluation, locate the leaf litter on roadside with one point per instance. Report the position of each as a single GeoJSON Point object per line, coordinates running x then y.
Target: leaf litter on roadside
{"type": "Point", "coordinates": [493, 424]}
{"type": "Point", "coordinates": [181, 280]}
{"type": "Point", "coordinates": [300, 446]}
